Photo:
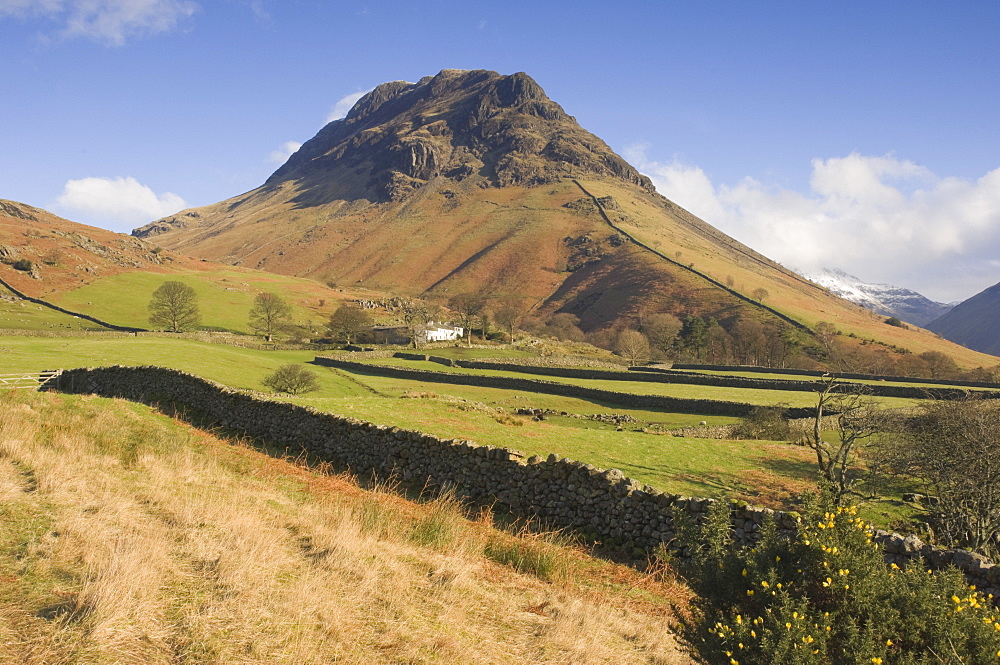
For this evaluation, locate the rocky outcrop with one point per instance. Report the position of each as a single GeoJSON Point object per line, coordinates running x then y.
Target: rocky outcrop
{"type": "Point", "coordinates": [457, 124]}
{"type": "Point", "coordinates": [19, 210]}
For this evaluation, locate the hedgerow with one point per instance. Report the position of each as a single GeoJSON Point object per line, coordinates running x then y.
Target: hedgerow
{"type": "Point", "coordinates": [827, 596]}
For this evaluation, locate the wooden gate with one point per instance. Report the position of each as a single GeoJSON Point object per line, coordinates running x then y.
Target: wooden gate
{"type": "Point", "coordinates": [34, 380]}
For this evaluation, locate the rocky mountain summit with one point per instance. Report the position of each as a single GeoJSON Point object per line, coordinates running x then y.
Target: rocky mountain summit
{"type": "Point", "coordinates": [503, 129]}
{"type": "Point", "coordinates": [491, 129]}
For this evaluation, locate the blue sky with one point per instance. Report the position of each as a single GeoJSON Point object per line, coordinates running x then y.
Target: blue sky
{"type": "Point", "coordinates": [855, 135]}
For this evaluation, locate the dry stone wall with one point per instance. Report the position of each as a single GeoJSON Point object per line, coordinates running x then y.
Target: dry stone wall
{"type": "Point", "coordinates": [657, 375]}
{"type": "Point", "coordinates": [601, 504]}
{"type": "Point", "coordinates": [819, 373]}
{"type": "Point", "coordinates": [631, 400]}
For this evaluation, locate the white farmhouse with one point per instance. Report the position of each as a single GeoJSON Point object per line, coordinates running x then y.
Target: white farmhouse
{"type": "Point", "coordinates": [437, 332]}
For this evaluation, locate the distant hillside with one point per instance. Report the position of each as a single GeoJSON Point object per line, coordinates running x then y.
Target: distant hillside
{"type": "Point", "coordinates": [884, 299]}
{"type": "Point", "coordinates": [974, 323]}
{"type": "Point", "coordinates": [41, 253]}
{"type": "Point", "coordinates": [111, 276]}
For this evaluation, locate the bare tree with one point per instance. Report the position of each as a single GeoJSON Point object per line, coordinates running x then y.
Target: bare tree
{"type": "Point", "coordinates": [826, 333]}
{"type": "Point", "coordinates": [269, 314]}
{"type": "Point", "coordinates": [941, 366]}
{"type": "Point", "coordinates": [348, 321]}
{"type": "Point", "coordinates": [951, 447]}
{"type": "Point", "coordinates": [415, 315]}
{"type": "Point", "coordinates": [469, 306]}
{"type": "Point", "coordinates": [760, 293]}
{"type": "Point", "coordinates": [174, 307]}
{"type": "Point", "coordinates": [633, 346]}
{"type": "Point", "coordinates": [508, 315]}
{"type": "Point", "coordinates": [857, 420]}
{"type": "Point", "coordinates": [661, 330]}
{"type": "Point", "coordinates": [750, 342]}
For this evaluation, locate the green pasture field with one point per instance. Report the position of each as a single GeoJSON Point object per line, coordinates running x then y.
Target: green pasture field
{"type": "Point", "coordinates": [755, 396]}
{"type": "Point", "coordinates": [759, 471]}
{"type": "Point", "coordinates": [230, 365]}
{"type": "Point", "coordinates": [224, 297]}
{"type": "Point", "coordinates": [762, 472]}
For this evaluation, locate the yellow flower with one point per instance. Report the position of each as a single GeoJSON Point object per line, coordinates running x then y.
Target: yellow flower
{"type": "Point", "coordinates": [877, 660]}
{"type": "Point", "coordinates": [888, 643]}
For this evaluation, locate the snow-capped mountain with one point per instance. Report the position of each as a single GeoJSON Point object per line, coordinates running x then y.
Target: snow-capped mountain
{"type": "Point", "coordinates": [884, 299]}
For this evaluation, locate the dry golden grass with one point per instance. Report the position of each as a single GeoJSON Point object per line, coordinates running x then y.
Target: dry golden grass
{"type": "Point", "coordinates": [128, 538]}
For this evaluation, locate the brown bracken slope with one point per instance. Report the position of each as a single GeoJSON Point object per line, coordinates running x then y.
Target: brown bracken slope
{"type": "Point", "coordinates": [41, 253]}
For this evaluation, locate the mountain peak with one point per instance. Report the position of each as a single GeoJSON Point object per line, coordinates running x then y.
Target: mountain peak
{"type": "Point", "coordinates": [884, 299]}
{"type": "Point", "coordinates": [500, 129]}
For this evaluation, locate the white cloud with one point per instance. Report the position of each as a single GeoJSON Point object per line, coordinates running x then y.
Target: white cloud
{"type": "Point", "coordinates": [110, 22]}
{"type": "Point", "coordinates": [117, 203]}
{"type": "Point", "coordinates": [281, 155]}
{"type": "Point", "coordinates": [260, 11]}
{"type": "Point", "coordinates": [881, 218]}
{"type": "Point", "coordinates": [344, 105]}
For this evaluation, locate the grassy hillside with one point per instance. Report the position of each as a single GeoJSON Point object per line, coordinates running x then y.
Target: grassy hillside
{"type": "Point", "coordinates": [17, 314]}
{"type": "Point", "coordinates": [112, 276]}
{"type": "Point", "coordinates": [547, 247]}
{"type": "Point", "coordinates": [225, 296]}
{"type": "Point", "coordinates": [128, 538]}
{"type": "Point", "coordinates": [678, 236]}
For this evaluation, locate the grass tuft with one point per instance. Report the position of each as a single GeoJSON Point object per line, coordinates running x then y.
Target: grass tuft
{"type": "Point", "coordinates": [530, 554]}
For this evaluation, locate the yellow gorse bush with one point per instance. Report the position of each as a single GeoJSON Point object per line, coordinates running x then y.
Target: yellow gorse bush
{"type": "Point", "coordinates": [827, 596]}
